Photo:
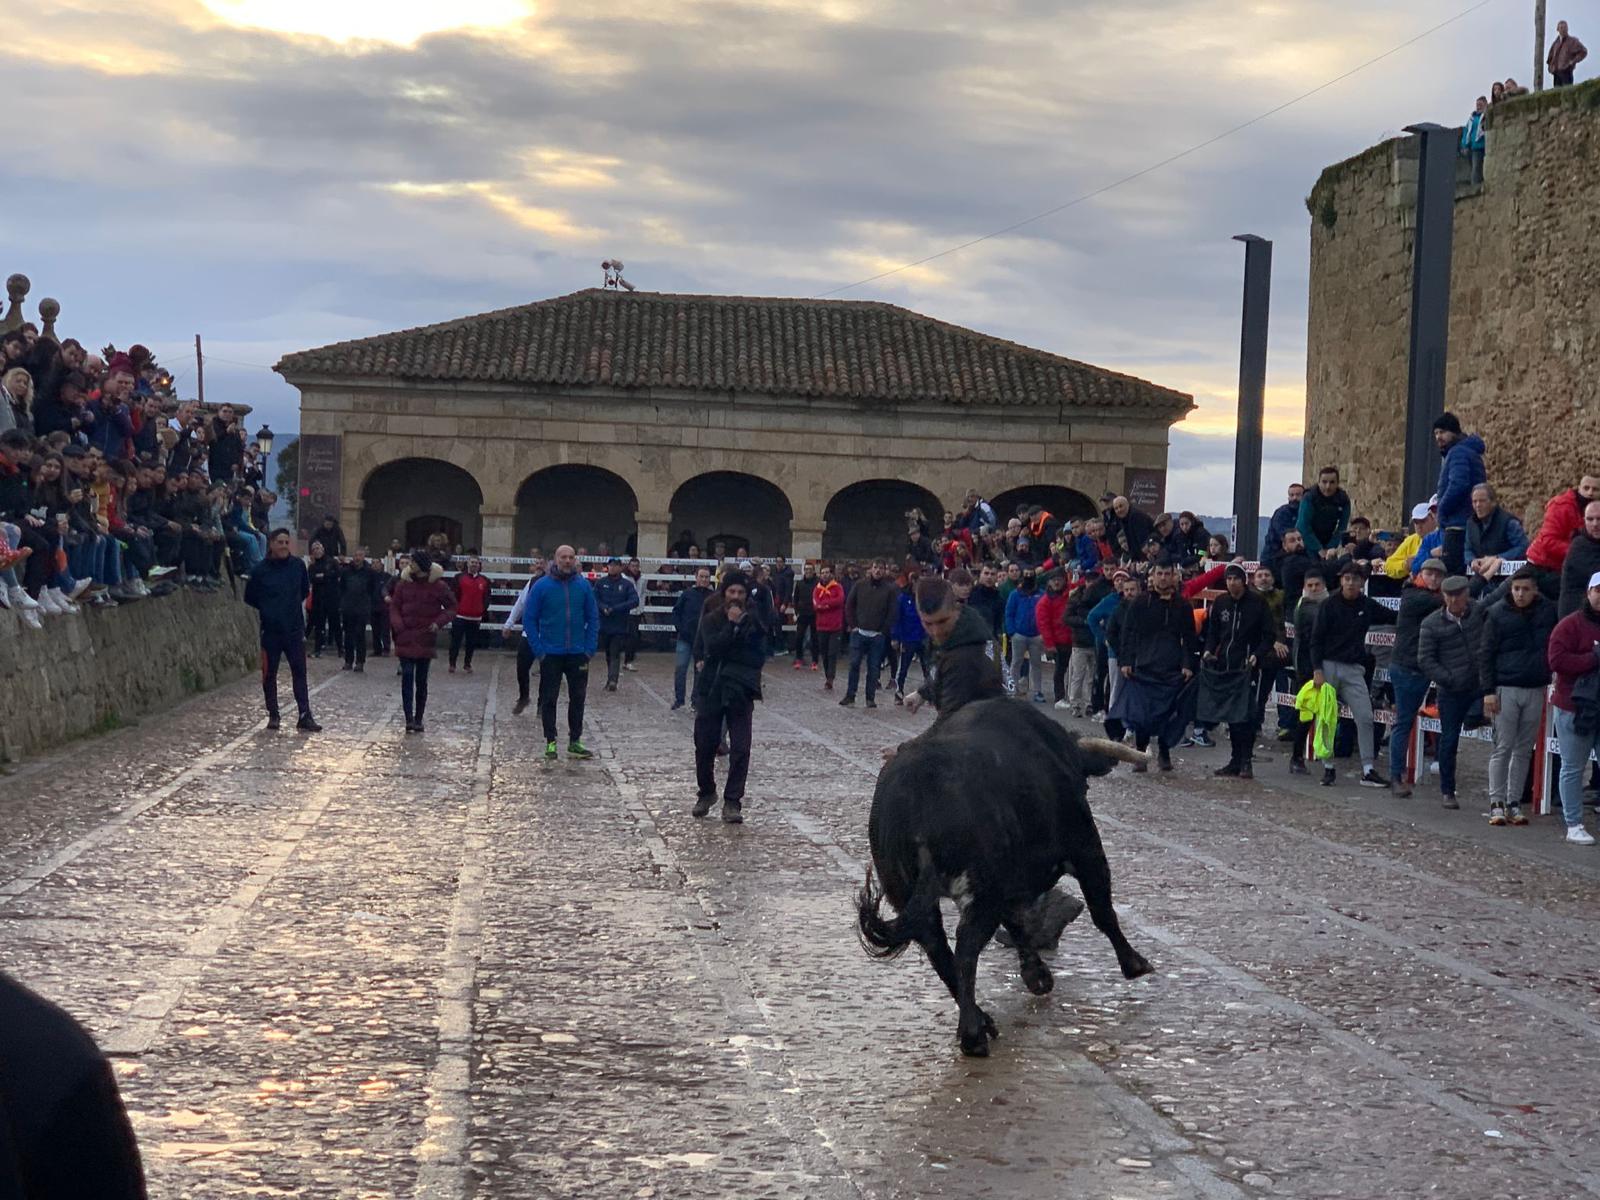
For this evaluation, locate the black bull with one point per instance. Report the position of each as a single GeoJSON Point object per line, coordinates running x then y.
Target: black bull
{"type": "Point", "coordinates": [990, 809]}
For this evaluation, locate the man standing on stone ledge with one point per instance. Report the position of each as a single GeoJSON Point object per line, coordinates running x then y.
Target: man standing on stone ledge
{"type": "Point", "coordinates": [1566, 52]}
{"type": "Point", "coordinates": [277, 590]}
{"type": "Point", "coordinates": [1462, 471]}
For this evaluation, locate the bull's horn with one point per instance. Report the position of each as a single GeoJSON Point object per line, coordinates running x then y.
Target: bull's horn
{"type": "Point", "coordinates": [1115, 750]}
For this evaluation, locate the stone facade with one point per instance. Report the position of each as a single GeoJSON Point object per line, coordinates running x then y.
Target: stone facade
{"type": "Point", "coordinates": [1525, 307]}
{"type": "Point", "coordinates": [752, 461]}
{"type": "Point", "coordinates": [102, 668]}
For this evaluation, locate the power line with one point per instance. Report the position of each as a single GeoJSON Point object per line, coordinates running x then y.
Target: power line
{"type": "Point", "coordinates": [1165, 162]}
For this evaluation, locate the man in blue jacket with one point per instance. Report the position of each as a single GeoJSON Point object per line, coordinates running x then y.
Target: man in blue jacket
{"type": "Point", "coordinates": [686, 612]}
{"type": "Point", "coordinates": [616, 595]}
{"type": "Point", "coordinates": [1462, 471]}
{"type": "Point", "coordinates": [562, 624]}
{"type": "Point", "coordinates": [277, 590]}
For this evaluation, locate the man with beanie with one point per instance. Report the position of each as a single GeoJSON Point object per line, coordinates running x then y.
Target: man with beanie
{"type": "Point", "coordinates": [1339, 654]}
{"type": "Point", "coordinates": [1239, 640]}
{"type": "Point", "coordinates": [726, 692]}
{"type": "Point", "coordinates": [1462, 471]}
{"type": "Point", "coordinates": [1447, 651]}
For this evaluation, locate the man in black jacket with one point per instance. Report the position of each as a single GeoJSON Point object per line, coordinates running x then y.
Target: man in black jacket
{"type": "Point", "coordinates": [869, 613]}
{"type": "Point", "coordinates": [1158, 652]}
{"type": "Point", "coordinates": [1447, 651]}
{"type": "Point", "coordinates": [277, 590]}
{"type": "Point", "coordinates": [1339, 654]}
{"type": "Point", "coordinates": [359, 588]}
{"type": "Point", "coordinates": [1417, 602]}
{"type": "Point", "coordinates": [1239, 639]}
{"type": "Point", "coordinates": [725, 694]}
{"type": "Point", "coordinates": [986, 600]}
{"type": "Point", "coordinates": [1513, 672]}
{"type": "Point", "coordinates": [1292, 567]}
{"type": "Point", "coordinates": [1583, 560]}
{"type": "Point", "coordinates": [804, 606]}
{"type": "Point", "coordinates": [1312, 598]}
{"type": "Point", "coordinates": [1127, 529]}
{"type": "Point", "coordinates": [686, 612]}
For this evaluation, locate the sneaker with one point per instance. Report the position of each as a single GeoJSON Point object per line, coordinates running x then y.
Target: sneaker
{"type": "Point", "coordinates": [871, 703]}
{"type": "Point", "coordinates": [1370, 778]}
{"type": "Point", "coordinates": [899, 697]}
{"type": "Point", "coordinates": [1448, 801]}
{"type": "Point", "coordinates": [411, 726]}
{"type": "Point", "coordinates": [676, 705]}
{"type": "Point", "coordinates": [1297, 766]}
{"type": "Point", "coordinates": [578, 750]}
{"type": "Point", "coordinates": [467, 670]}
{"type": "Point", "coordinates": [1400, 789]}
{"type": "Point", "coordinates": [274, 722]}
{"type": "Point", "coordinates": [1064, 706]}
{"type": "Point", "coordinates": [1142, 767]}
{"type": "Point", "coordinates": [361, 668]}
{"type": "Point", "coordinates": [1579, 836]}
{"type": "Point", "coordinates": [550, 751]}
{"type": "Point", "coordinates": [1515, 815]}
{"type": "Point", "coordinates": [82, 586]}
{"type": "Point", "coordinates": [520, 707]}
{"type": "Point", "coordinates": [1099, 718]}
{"type": "Point", "coordinates": [161, 572]}
{"type": "Point", "coordinates": [1328, 776]}
{"type": "Point", "coordinates": [1038, 697]}
{"type": "Point", "coordinates": [1165, 760]}
{"type": "Point", "coordinates": [1245, 771]}
{"type": "Point", "coordinates": [828, 686]}
{"type": "Point", "coordinates": [1286, 735]}
{"type": "Point", "coordinates": [732, 812]}
{"type": "Point", "coordinates": [629, 667]}
{"type": "Point", "coordinates": [813, 666]}
{"type": "Point", "coordinates": [798, 666]}
{"type": "Point", "coordinates": [702, 805]}
{"type": "Point", "coordinates": [349, 666]}
{"type": "Point", "coordinates": [30, 618]}
{"type": "Point", "coordinates": [452, 668]}
{"type": "Point", "coordinates": [1231, 770]}
{"type": "Point", "coordinates": [611, 687]}
{"type": "Point", "coordinates": [1202, 738]}
{"type": "Point", "coordinates": [1186, 744]}
{"type": "Point", "coordinates": [847, 702]}
{"type": "Point", "coordinates": [1497, 814]}
{"type": "Point", "coordinates": [308, 724]}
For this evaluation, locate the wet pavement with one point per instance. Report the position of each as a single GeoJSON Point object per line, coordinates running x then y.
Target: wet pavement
{"type": "Point", "coordinates": [363, 964]}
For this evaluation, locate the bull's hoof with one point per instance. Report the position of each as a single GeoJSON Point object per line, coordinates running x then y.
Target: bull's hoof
{"type": "Point", "coordinates": [977, 1047]}
{"type": "Point", "coordinates": [1039, 981]}
{"type": "Point", "coordinates": [1136, 966]}
{"type": "Point", "coordinates": [989, 1027]}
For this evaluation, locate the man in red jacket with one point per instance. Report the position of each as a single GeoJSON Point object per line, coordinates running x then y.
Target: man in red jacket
{"type": "Point", "coordinates": [828, 600]}
{"type": "Point", "coordinates": [1573, 657]}
{"type": "Point", "coordinates": [1051, 614]}
{"type": "Point", "coordinates": [472, 605]}
{"type": "Point", "coordinates": [1563, 517]}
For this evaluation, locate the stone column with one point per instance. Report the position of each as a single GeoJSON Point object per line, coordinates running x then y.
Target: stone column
{"type": "Point", "coordinates": [499, 537]}
{"type": "Point", "coordinates": [654, 533]}
{"type": "Point", "coordinates": [806, 538]}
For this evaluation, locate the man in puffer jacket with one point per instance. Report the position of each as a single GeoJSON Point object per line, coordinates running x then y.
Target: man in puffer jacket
{"type": "Point", "coordinates": [616, 595]}
{"type": "Point", "coordinates": [1513, 672]}
{"type": "Point", "coordinates": [1447, 651]}
{"type": "Point", "coordinates": [1050, 616]}
{"type": "Point", "coordinates": [1462, 471]}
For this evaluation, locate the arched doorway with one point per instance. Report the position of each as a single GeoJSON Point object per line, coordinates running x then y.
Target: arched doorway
{"type": "Point", "coordinates": [737, 509]}
{"type": "Point", "coordinates": [1060, 502]}
{"type": "Point", "coordinates": [868, 519]}
{"type": "Point", "coordinates": [578, 505]}
{"type": "Point", "coordinates": [420, 495]}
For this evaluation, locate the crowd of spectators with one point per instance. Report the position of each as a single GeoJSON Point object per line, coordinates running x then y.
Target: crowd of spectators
{"type": "Point", "coordinates": [1566, 52]}
{"type": "Point", "coordinates": [113, 490]}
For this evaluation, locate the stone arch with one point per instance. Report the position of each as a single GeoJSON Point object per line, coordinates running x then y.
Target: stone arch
{"type": "Point", "coordinates": [576, 504]}
{"type": "Point", "coordinates": [410, 498]}
{"type": "Point", "coordinates": [868, 518]}
{"type": "Point", "coordinates": [1062, 502]}
{"type": "Point", "coordinates": [736, 508]}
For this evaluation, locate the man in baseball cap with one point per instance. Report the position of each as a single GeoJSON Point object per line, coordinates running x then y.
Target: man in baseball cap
{"type": "Point", "coordinates": [1447, 651]}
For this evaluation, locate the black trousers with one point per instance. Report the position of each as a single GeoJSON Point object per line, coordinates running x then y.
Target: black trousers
{"type": "Point", "coordinates": [1453, 549]}
{"type": "Point", "coordinates": [354, 626]}
{"type": "Point", "coordinates": [414, 686]}
{"type": "Point", "coordinates": [707, 736]}
{"type": "Point", "coordinates": [1059, 683]}
{"type": "Point", "coordinates": [1242, 740]}
{"type": "Point", "coordinates": [463, 632]}
{"type": "Point", "coordinates": [40, 566]}
{"type": "Point", "coordinates": [1561, 78]}
{"type": "Point", "coordinates": [273, 649]}
{"type": "Point", "coordinates": [614, 644]}
{"type": "Point", "coordinates": [524, 667]}
{"type": "Point", "coordinates": [553, 668]}
{"type": "Point", "coordinates": [325, 627]}
{"type": "Point", "coordinates": [803, 626]}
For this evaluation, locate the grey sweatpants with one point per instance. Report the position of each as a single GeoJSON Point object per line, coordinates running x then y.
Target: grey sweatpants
{"type": "Point", "coordinates": [1516, 729]}
{"type": "Point", "coordinates": [1350, 681]}
{"type": "Point", "coordinates": [1028, 650]}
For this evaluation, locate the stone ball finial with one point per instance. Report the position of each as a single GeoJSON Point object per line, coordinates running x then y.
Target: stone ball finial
{"type": "Point", "coordinates": [49, 310]}
{"type": "Point", "coordinates": [16, 289]}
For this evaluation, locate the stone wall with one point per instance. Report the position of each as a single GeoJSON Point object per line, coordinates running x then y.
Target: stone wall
{"type": "Point", "coordinates": [92, 672]}
{"type": "Point", "coordinates": [1525, 307]}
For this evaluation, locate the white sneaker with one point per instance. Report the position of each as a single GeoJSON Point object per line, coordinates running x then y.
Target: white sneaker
{"type": "Point", "coordinates": [1579, 836]}
{"type": "Point", "coordinates": [82, 586]}
{"type": "Point", "coordinates": [1062, 704]}
{"type": "Point", "coordinates": [21, 599]}
{"type": "Point", "coordinates": [48, 604]}
{"type": "Point", "coordinates": [63, 601]}
{"type": "Point", "coordinates": [30, 618]}
{"type": "Point", "coordinates": [138, 587]}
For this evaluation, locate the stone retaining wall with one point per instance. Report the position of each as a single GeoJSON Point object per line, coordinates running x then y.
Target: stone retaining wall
{"type": "Point", "coordinates": [88, 673]}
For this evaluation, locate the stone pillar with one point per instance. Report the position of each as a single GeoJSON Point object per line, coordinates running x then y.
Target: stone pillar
{"type": "Point", "coordinates": [499, 533]}
{"type": "Point", "coordinates": [49, 310]}
{"type": "Point", "coordinates": [806, 539]}
{"type": "Point", "coordinates": [16, 292]}
{"type": "Point", "coordinates": [654, 533]}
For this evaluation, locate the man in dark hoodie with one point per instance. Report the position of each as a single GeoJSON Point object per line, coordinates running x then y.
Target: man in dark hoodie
{"type": "Point", "coordinates": [1339, 657]}
{"type": "Point", "coordinates": [1157, 654]}
{"type": "Point", "coordinates": [1513, 672]}
{"type": "Point", "coordinates": [1461, 472]}
{"type": "Point", "coordinates": [277, 590]}
{"type": "Point", "coordinates": [1239, 640]}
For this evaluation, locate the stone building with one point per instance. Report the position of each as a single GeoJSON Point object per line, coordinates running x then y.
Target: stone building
{"type": "Point", "coordinates": [1525, 307]}
{"type": "Point", "coordinates": [800, 427]}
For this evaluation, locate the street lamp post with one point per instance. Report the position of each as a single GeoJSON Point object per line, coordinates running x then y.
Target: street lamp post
{"type": "Point", "coordinates": [264, 444]}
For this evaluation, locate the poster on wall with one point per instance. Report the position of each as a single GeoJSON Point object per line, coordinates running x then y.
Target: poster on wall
{"type": "Point", "coordinates": [321, 480]}
{"type": "Point", "coordinates": [1146, 489]}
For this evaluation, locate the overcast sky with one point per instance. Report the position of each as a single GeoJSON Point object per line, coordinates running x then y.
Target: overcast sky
{"type": "Point", "coordinates": [278, 174]}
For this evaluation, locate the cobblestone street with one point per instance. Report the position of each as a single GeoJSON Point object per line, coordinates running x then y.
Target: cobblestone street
{"type": "Point", "coordinates": [362, 964]}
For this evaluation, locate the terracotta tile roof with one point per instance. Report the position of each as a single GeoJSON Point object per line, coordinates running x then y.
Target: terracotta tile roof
{"type": "Point", "coordinates": [839, 349]}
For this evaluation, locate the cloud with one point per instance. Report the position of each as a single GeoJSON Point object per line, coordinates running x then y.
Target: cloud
{"type": "Point", "coordinates": [280, 175]}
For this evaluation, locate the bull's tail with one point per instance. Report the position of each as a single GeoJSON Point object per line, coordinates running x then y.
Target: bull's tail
{"type": "Point", "coordinates": [884, 937]}
{"type": "Point", "coordinates": [1101, 755]}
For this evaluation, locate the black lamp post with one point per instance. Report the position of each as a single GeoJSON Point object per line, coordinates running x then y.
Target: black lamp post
{"type": "Point", "coordinates": [264, 440]}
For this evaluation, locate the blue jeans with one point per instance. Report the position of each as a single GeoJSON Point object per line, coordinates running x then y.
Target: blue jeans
{"type": "Point", "coordinates": [1410, 687]}
{"type": "Point", "coordinates": [1575, 749]}
{"type": "Point", "coordinates": [872, 649]}
{"type": "Point", "coordinates": [1453, 709]}
{"type": "Point", "coordinates": [680, 670]}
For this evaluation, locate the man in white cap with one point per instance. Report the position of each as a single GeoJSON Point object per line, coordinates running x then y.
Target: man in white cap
{"type": "Point", "coordinates": [1448, 653]}
{"type": "Point", "coordinates": [1398, 565]}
